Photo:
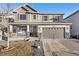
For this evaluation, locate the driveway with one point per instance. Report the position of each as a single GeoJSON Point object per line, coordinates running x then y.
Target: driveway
{"type": "Point", "coordinates": [64, 47]}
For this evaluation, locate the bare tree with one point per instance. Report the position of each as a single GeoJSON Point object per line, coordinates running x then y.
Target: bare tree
{"type": "Point", "coordinates": [6, 8]}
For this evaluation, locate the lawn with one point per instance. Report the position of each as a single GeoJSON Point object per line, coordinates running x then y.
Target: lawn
{"type": "Point", "coordinates": [19, 48]}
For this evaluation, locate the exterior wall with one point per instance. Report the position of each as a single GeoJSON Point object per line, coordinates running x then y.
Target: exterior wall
{"type": "Point", "coordinates": [67, 32]}
{"type": "Point", "coordinates": [30, 16]}
{"type": "Point", "coordinates": [20, 10]}
{"type": "Point", "coordinates": [50, 17]}
{"type": "Point", "coordinates": [40, 30]}
{"type": "Point", "coordinates": [74, 19]}
{"type": "Point", "coordinates": [38, 18]}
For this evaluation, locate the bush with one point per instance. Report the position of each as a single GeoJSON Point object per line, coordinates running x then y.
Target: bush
{"type": "Point", "coordinates": [54, 53]}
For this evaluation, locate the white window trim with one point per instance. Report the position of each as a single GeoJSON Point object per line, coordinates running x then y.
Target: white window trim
{"type": "Point", "coordinates": [44, 19]}
{"type": "Point", "coordinates": [35, 16]}
{"type": "Point", "coordinates": [21, 14]}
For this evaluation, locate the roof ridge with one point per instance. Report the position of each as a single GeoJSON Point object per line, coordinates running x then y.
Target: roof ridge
{"type": "Point", "coordinates": [24, 8]}
{"type": "Point", "coordinates": [31, 8]}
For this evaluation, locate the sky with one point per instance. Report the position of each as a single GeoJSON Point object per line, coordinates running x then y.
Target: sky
{"type": "Point", "coordinates": [66, 8]}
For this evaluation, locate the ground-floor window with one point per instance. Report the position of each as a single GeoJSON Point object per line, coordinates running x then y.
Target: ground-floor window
{"type": "Point", "coordinates": [23, 28]}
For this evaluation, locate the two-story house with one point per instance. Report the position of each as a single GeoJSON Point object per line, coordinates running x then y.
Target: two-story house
{"type": "Point", "coordinates": [25, 21]}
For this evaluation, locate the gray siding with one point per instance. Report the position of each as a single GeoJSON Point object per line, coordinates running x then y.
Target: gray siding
{"type": "Point", "coordinates": [38, 16]}
{"type": "Point", "coordinates": [74, 19]}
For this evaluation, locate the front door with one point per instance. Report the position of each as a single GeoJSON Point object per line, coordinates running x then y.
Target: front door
{"type": "Point", "coordinates": [33, 31]}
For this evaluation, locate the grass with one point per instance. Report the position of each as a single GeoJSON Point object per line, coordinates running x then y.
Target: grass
{"type": "Point", "coordinates": [21, 48]}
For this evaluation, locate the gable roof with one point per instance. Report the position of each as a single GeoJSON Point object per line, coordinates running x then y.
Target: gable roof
{"type": "Point", "coordinates": [31, 8]}
{"type": "Point", "coordinates": [23, 7]}
{"type": "Point", "coordinates": [35, 11]}
{"type": "Point", "coordinates": [71, 14]}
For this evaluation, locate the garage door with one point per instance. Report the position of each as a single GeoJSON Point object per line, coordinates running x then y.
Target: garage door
{"type": "Point", "coordinates": [53, 33]}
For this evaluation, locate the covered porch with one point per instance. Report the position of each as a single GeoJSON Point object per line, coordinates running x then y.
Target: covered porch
{"type": "Point", "coordinates": [22, 30]}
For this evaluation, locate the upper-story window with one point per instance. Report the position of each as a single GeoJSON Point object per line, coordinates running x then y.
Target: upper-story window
{"type": "Point", "coordinates": [34, 16]}
{"type": "Point", "coordinates": [45, 18]}
{"type": "Point", "coordinates": [22, 16]}
{"type": "Point", "coordinates": [55, 18]}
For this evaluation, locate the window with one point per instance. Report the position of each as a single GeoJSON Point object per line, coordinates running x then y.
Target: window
{"type": "Point", "coordinates": [55, 18]}
{"type": "Point", "coordinates": [22, 16]}
{"type": "Point", "coordinates": [45, 18]}
{"type": "Point", "coordinates": [23, 28]}
{"type": "Point", "coordinates": [34, 16]}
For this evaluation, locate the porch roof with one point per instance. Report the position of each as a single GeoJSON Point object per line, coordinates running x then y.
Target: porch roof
{"type": "Point", "coordinates": [40, 23]}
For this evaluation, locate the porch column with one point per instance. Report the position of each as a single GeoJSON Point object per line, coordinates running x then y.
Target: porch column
{"type": "Point", "coordinates": [28, 31]}
{"type": "Point", "coordinates": [10, 30]}
{"type": "Point", "coordinates": [39, 32]}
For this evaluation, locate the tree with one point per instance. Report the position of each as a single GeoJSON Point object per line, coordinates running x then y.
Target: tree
{"type": "Point", "coordinates": [6, 8]}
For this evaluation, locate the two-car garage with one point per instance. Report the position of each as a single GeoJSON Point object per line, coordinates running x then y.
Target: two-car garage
{"type": "Point", "coordinates": [54, 30]}
{"type": "Point", "coordinates": [53, 33]}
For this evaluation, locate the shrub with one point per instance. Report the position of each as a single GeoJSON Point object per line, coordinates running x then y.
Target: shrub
{"type": "Point", "coordinates": [54, 53]}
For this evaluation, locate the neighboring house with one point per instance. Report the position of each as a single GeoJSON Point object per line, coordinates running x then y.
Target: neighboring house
{"type": "Point", "coordinates": [25, 21]}
{"type": "Point", "coordinates": [74, 19]}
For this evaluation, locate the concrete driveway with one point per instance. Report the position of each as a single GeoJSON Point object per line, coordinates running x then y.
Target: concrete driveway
{"type": "Point", "coordinates": [64, 47]}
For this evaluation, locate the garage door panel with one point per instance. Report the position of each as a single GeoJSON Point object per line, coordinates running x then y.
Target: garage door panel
{"type": "Point", "coordinates": [45, 33]}
{"type": "Point", "coordinates": [49, 32]}
{"type": "Point", "coordinates": [60, 33]}
{"type": "Point", "coordinates": [52, 33]}
{"type": "Point", "coordinates": [55, 33]}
